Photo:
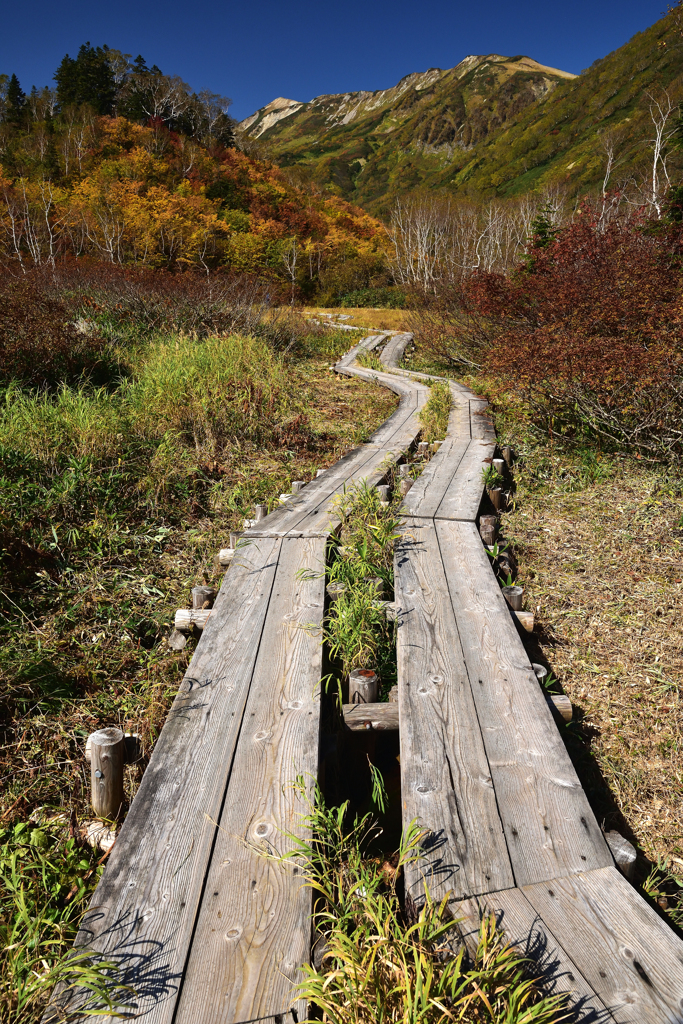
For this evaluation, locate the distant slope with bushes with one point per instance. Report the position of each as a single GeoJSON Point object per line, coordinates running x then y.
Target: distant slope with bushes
{"type": "Point", "coordinates": [492, 126]}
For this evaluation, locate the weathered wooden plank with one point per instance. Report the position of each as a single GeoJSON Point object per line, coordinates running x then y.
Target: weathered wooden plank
{"type": "Point", "coordinates": [632, 959]}
{"type": "Point", "coordinates": [371, 717]}
{"type": "Point", "coordinates": [556, 971]}
{"type": "Point", "coordinates": [143, 911]}
{"type": "Point", "coordinates": [425, 496]}
{"type": "Point", "coordinates": [364, 345]}
{"type": "Point", "coordinates": [550, 828]}
{"type": "Point", "coordinates": [463, 496]}
{"type": "Point", "coordinates": [481, 424]}
{"type": "Point", "coordinates": [253, 931]}
{"type": "Point", "coordinates": [393, 351]}
{"type": "Point", "coordinates": [445, 778]}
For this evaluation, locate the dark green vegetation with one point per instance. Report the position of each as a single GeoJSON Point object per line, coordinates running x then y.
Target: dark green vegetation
{"type": "Point", "coordinates": [116, 497]}
{"type": "Point", "coordinates": [492, 126]}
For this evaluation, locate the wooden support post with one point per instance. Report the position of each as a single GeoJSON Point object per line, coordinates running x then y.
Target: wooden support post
{"type": "Point", "coordinates": [203, 597]}
{"type": "Point", "coordinates": [363, 686]}
{"type": "Point", "coordinates": [225, 556]}
{"type": "Point", "coordinates": [499, 466]}
{"type": "Point", "coordinates": [393, 695]}
{"type": "Point", "coordinates": [371, 717]}
{"type": "Point", "coordinates": [404, 470]}
{"type": "Point", "coordinates": [188, 618]}
{"type": "Point", "coordinates": [405, 485]}
{"type": "Point", "coordinates": [524, 619]}
{"type": "Point", "coordinates": [488, 529]}
{"type": "Point", "coordinates": [261, 511]}
{"type": "Point", "coordinates": [508, 455]}
{"type": "Point", "coordinates": [561, 704]}
{"type": "Point", "coordinates": [378, 584]}
{"type": "Point", "coordinates": [514, 597]}
{"type": "Point", "coordinates": [177, 640]}
{"type": "Point", "coordinates": [624, 853]}
{"type": "Point", "coordinates": [541, 672]}
{"type": "Point", "coordinates": [298, 485]}
{"type": "Point", "coordinates": [384, 491]}
{"type": "Point", "coordinates": [497, 496]}
{"type": "Point", "coordinates": [234, 537]}
{"type": "Point", "coordinates": [423, 448]}
{"type": "Point", "coordinates": [335, 590]}
{"type": "Point", "coordinates": [319, 472]}
{"type": "Point", "coordinates": [107, 758]}
{"type": "Point", "coordinates": [436, 445]}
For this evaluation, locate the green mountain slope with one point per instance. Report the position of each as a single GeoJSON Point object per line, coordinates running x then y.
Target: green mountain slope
{"type": "Point", "coordinates": [492, 125]}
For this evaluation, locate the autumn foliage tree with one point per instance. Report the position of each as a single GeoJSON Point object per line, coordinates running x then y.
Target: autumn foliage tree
{"type": "Point", "coordinates": [589, 328]}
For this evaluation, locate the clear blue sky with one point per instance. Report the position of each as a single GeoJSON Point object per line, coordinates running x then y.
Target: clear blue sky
{"type": "Point", "coordinates": [256, 50]}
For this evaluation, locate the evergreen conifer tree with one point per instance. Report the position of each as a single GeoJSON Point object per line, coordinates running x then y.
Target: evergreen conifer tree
{"type": "Point", "coordinates": [16, 98]}
{"type": "Point", "coordinates": [87, 79]}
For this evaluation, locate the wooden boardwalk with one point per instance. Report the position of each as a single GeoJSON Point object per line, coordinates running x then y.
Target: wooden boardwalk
{"type": "Point", "coordinates": [209, 931]}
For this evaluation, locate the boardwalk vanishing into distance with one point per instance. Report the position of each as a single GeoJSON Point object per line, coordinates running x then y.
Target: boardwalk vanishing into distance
{"type": "Point", "coordinates": [208, 931]}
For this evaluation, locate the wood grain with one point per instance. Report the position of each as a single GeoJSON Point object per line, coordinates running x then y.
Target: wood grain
{"type": "Point", "coordinates": [632, 959]}
{"type": "Point", "coordinates": [445, 778]}
{"type": "Point", "coordinates": [144, 908]}
{"type": "Point", "coordinates": [550, 828]}
{"type": "Point", "coordinates": [253, 931]}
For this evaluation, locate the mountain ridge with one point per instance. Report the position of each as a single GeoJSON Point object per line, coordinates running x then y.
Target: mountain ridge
{"type": "Point", "coordinates": [491, 126]}
{"type": "Point", "coordinates": [263, 118]}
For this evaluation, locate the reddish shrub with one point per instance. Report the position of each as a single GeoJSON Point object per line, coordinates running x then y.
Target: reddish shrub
{"type": "Point", "coordinates": [39, 342]}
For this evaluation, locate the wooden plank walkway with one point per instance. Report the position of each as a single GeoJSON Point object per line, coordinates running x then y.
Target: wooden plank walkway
{"type": "Point", "coordinates": [469, 699]}
{"type": "Point", "coordinates": [209, 930]}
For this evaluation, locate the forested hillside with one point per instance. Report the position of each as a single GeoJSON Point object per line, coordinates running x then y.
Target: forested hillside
{"type": "Point", "coordinates": [124, 164]}
{"type": "Point", "coordinates": [492, 126]}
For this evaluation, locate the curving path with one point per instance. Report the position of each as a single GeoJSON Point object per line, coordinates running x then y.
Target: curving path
{"type": "Point", "coordinates": [209, 931]}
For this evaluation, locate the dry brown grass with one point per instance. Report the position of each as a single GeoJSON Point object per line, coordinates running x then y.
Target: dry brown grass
{"type": "Point", "coordinates": [603, 570]}
{"type": "Point", "coordinates": [377, 319]}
